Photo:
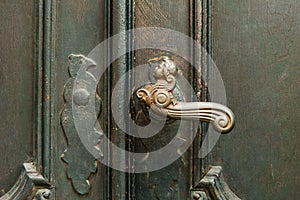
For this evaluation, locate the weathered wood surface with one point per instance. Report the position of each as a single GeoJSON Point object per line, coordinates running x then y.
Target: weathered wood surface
{"type": "Point", "coordinates": [173, 181]}
{"type": "Point", "coordinates": [17, 66]}
{"type": "Point", "coordinates": [79, 27]}
{"type": "Point", "coordinates": [256, 47]}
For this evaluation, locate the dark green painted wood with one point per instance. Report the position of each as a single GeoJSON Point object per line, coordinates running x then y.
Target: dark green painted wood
{"type": "Point", "coordinates": [29, 185]}
{"type": "Point", "coordinates": [174, 181]}
{"type": "Point", "coordinates": [16, 88]}
{"type": "Point", "coordinates": [120, 19]}
{"type": "Point", "coordinates": [256, 47]}
{"type": "Point", "coordinates": [79, 28]}
{"type": "Point", "coordinates": [200, 31]}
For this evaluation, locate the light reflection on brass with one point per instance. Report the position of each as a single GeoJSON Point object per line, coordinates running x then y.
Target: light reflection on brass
{"type": "Point", "coordinates": [160, 98]}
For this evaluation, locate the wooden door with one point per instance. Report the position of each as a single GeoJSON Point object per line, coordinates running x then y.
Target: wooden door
{"type": "Point", "coordinates": [256, 48]}
{"type": "Point", "coordinates": [253, 44]}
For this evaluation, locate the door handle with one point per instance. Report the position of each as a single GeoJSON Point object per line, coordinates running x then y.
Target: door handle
{"type": "Point", "coordinates": [160, 97]}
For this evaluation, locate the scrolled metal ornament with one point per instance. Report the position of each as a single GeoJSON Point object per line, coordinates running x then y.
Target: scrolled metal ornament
{"type": "Point", "coordinates": [160, 97]}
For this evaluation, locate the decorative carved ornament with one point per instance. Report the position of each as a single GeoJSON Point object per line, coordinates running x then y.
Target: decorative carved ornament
{"type": "Point", "coordinates": [160, 97]}
{"type": "Point", "coordinates": [213, 186]}
{"type": "Point", "coordinates": [30, 185]}
{"type": "Point", "coordinates": [80, 162]}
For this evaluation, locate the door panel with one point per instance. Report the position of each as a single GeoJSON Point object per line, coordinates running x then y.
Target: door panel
{"type": "Point", "coordinates": [17, 77]}
{"type": "Point", "coordinates": [256, 47]}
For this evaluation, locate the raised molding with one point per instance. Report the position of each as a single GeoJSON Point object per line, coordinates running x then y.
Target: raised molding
{"type": "Point", "coordinates": [29, 183]}
{"type": "Point", "coordinates": [32, 184]}
{"type": "Point", "coordinates": [213, 186]}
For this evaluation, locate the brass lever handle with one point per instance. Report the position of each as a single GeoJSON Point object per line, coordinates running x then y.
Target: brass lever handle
{"type": "Point", "coordinates": [160, 97]}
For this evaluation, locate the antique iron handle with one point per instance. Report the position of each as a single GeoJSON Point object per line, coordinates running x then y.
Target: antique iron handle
{"type": "Point", "coordinates": [160, 97]}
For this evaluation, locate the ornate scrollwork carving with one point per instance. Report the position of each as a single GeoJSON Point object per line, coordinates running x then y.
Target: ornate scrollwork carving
{"type": "Point", "coordinates": [28, 184]}
{"type": "Point", "coordinates": [213, 186]}
{"type": "Point", "coordinates": [160, 94]}
{"type": "Point", "coordinates": [42, 194]}
{"type": "Point", "coordinates": [160, 97]}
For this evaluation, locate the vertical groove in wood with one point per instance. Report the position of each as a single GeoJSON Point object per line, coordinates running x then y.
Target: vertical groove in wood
{"type": "Point", "coordinates": [205, 42]}
{"type": "Point", "coordinates": [48, 78]}
{"type": "Point", "coordinates": [119, 17]}
{"type": "Point", "coordinates": [106, 99]}
{"type": "Point", "coordinates": [38, 83]}
{"type": "Point", "coordinates": [130, 15]}
{"type": "Point", "coordinates": [195, 19]}
{"type": "Point", "coordinates": [200, 17]}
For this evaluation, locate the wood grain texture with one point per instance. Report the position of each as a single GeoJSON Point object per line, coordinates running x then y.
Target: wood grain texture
{"type": "Point", "coordinates": [16, 88]}
{"type": "Point", "coordinates": [256, 47]}
{"type": "Point", "coordinates": [79, 28]}
{"type": "Point", "coordinates": [119, 19]}
{"type": "Point", "coordinates": [173, 181]}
